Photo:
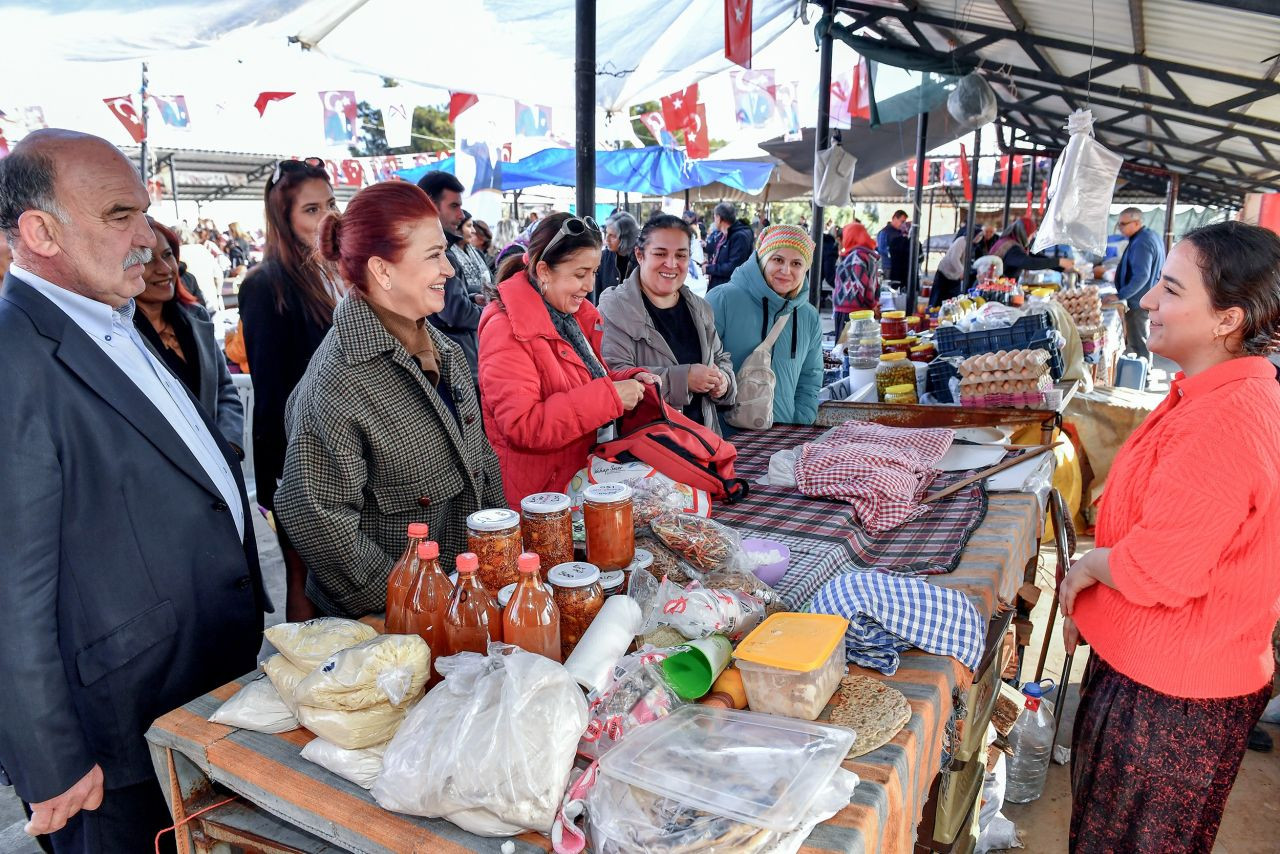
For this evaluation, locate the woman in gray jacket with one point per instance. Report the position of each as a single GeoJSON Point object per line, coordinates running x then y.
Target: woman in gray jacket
{"type": "Point", "coordinates": [653, 321]}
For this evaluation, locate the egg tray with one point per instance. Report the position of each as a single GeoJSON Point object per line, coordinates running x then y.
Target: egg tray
{"type": "Point", "coordinates": [1032, 400]}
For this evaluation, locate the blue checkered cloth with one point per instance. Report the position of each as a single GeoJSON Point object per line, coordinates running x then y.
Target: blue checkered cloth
{"type": "Point", "coordinates": [889, 614]}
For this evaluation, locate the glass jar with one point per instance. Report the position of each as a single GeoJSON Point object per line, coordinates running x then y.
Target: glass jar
{"type": "Point", "coordinates": [494, 537]}
{"type": "Point", "coordinates": [893, 324]}
{"type": "Point", "coordinates": [864, 346]}
{"type": "Point", "coordinates": [606, 513]}
{"type": "Point", "coordinates": [547, 525]}
{"type": "Point", "coordinates": [913, 326]}
{"type": "Point", "coordinates": [579, 597]}
{"type": "Point", "coordinates": [894, 369]}
{"type": "Point", "coordinates": [531, 620]}
{"type": "Point", "coordinates": [612, 582]}
{"type": "Point", "coordinates": [905, 393]}
{"type": "Point", "coordinates": [897, 345]}
{"type": "Point", "coordinates": [642, 560]}
{"type": "Point", "coordinates": [925, 353]}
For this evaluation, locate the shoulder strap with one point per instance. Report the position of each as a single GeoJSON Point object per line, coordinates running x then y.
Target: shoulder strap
{"type": "Point", "coordinates": [778, 326]}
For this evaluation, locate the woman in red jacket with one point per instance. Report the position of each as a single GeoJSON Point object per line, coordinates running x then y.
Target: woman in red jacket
{"type": "Point", "coordinates": [544, 388]}
{"type": "Point", "coordinates": [1179, 599]}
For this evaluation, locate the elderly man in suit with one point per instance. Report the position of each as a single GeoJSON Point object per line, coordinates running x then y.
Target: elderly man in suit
{"type": "Point", "coordinates": [129, 579]}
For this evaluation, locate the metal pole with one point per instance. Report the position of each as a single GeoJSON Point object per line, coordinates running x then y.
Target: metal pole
{"type": "Point", "coordinates": [1008, 187]}
{"type": "Point", "coordinates": [144, 154]}
{"type": "Point", "coordinates": [917, 199]}
{"type": "Point", "coordinates": [821, 139]}
{"type": "Point", "coordinates": [928, 236]}
{"type": "Point", "coordinates": [585, 105]}
{"type": "Point", "coordinates": [173, 184]}
{"type": "Point", "coordinates": [970, 223]}
{"type": "Point", "coordinates": [1171, 201]}
{"type": "Point", "coordinates": [1032, 179]}
{"type": "Point", "coordinates": [686, 198]}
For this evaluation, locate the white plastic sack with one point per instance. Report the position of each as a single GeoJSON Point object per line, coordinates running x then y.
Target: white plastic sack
{"type": "Point", "coordinates": [256, 706]}
{"type": "Point", "coordinates": [361, 767]}
{"type": "Point", "coordinates": [284, 676]}
{"type": "Point", "coordinates": [833, 179]}
{"type": "Point", "coordinates": [384, 669]}
{"type": "Point", "coordinates": [310, 643]}
{"type": "Point", "coordinates": [490, 748]}
{"type": "Point", "coordinates": [355, 729]}
{"type": "Point", "coordinates": [972, 103]}
{"type": "Point", "coordinates": [1084, 180]}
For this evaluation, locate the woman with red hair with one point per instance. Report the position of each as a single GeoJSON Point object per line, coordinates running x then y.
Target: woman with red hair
{"type": "Point", "coordinates": [179, 329]}
{"type": "Point", "coordinates": [384, 427]}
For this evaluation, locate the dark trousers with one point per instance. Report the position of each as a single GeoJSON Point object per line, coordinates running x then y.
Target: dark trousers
{"type": "Point", "coordinates": [1137, 326]}
{"type": "Point", "coordinates": [126, 823]}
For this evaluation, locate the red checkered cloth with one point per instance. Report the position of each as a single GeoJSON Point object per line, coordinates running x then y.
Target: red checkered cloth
{"type": "Point", "coordinates": [882, 471]}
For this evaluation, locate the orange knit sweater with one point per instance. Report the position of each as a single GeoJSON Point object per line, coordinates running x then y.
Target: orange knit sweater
{"type": "Point", "coordinates": [1192, 515]}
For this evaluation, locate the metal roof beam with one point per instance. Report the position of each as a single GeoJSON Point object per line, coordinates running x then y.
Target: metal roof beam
{"type": "Point", "coordinates": [1241, 100]}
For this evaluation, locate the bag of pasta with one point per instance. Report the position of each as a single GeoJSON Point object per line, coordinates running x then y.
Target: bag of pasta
{"type": "Point", "coordinates": [705, 545]}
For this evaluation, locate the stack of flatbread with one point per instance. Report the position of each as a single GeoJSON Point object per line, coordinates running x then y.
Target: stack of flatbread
{"type": "Point", "coordinates": [872, 709]}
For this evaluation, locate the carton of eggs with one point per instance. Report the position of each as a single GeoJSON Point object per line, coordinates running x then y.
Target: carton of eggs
{"type": "Point", "coordinates": [1083, 304]}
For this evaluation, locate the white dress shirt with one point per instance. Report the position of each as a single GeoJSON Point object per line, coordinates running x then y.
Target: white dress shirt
{"type": "Point", "coordinates": [114, 333]}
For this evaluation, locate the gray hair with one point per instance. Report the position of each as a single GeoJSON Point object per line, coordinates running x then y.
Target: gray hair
{"type": "Point", "coordinates": [628, 231]}
{"type": "Point", "coordinates": [1133, 213]}
{"type": "Point", "coordinates": [726, 211]}
{"type": "Point", "coordinates": [27, 184]}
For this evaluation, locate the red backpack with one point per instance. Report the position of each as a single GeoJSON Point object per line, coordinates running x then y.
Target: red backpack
{"type": "Point", "coordinates": [682, 449]}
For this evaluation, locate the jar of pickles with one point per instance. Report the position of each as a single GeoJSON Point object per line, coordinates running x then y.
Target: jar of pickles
{"type": "Point", "coordinates": [494, 536]}
{"type": "Point", "coordinates": [606, 515]}
{"type": "Point", "coordinates": [893, 325]}
{"type": "Point", "coordinates": [547, 525]}
{"type": "Point", "coordinates": [913, 326]}
{"type": "Point", "coordinates": [905, 393]}
{"type": "Point", "coordinates": [579, 597]}
{"type": "Point", "coordinates": [893, 370]}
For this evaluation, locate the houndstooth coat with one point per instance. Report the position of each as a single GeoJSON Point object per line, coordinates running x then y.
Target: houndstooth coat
{"type": "Point", "coordinates": [372, 448]}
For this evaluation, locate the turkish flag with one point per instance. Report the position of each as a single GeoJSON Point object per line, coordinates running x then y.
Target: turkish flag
{"type": "Point", "coordinates": [459, 103]}
{"type": "Point", "coordinates": [966, 180]}
{"type": "Point", "coordinates": [860, 91]}
{"type": "Point", "coordinates": [679, 108]}
{"type": "Point", "coordinates": [122, 108]}
{"type": "Point", "coordinates": [911, 172]}
{"type": "Point", "coordinates": [1017, 169]}
{"type": "Point", "coordinates": [265, 98]}
{"type": "Point", "coordinates": [697, 143]}
{"type": "Point", "coordinates": [737, 32]}
{"type": "Point", "coordinates": [658, 129]}
{"type": "Point", "coordinates": [353, 172]}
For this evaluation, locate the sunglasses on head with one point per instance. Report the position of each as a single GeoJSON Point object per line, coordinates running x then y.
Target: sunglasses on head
{"type": "Point", "coordinates": [574, 226]}
{"type": "Point", "coordinates": [283, 166]}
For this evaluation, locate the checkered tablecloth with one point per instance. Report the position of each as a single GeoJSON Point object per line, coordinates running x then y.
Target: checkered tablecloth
{"type": "Point", "coordinates": [824, 539]}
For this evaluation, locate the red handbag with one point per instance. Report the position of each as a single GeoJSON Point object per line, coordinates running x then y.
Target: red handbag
{"type": "Point", "coordinates": [680, 448]}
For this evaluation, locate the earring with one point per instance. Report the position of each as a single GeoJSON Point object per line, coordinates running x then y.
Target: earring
{"type": "Point", "coordinates": [386, 286]}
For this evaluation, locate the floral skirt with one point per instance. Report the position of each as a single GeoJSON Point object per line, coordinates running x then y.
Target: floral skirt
{"type": "Point", "coordinates": [1151, 772]}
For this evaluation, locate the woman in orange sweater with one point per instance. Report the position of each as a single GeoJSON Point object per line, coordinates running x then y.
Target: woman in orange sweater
{"type": "Point", "coordinates": [1179, 599]}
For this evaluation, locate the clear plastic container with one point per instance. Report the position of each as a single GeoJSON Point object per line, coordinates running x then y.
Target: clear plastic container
{"type": "Point", "coordinates": [1032, 742]}
{"type": "Point", "coordinates": [864, 341]}
{"type": "Point", "coordinates": [759, 769]}
{"type": "Point", "coordinates": [792, 663]}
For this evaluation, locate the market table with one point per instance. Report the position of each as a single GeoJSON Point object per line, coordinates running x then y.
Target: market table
{"type": "Point", "coordinates": [284, 803]}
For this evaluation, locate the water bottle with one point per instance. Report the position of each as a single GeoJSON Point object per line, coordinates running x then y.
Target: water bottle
{"type": "Point", "coordinates": [1032, 743]}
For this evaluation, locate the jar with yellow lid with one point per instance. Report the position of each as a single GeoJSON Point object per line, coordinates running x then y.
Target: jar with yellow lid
{"type": "Point", "coordinates": [893, 324]}
{"type": "Point", "coordinates": [905, 393]}
{"type": "Point", "coordinates": [894, 369]}
{"type": "Point", "coordinates": [896, 345]}
{"type": "Point", "coordinates": [925, 352]}
{"type": "Point", "coordinates": [864, 346]}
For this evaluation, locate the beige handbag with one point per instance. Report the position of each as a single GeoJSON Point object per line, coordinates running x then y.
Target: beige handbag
{"type": "Point", "coordinates": [754, 407]}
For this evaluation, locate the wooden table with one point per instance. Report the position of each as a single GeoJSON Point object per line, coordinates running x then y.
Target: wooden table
{"type": "Point", "coordinates": [285, 803]}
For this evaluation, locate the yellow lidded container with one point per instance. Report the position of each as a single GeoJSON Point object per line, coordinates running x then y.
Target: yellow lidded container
{"type": "Point", "coordinates": [791, 663]}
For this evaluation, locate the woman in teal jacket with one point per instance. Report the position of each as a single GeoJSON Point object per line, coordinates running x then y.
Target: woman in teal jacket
{"type": "Point", "coordinates": [775, 281]}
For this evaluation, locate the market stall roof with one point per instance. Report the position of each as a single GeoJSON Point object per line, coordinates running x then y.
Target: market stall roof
{"type": "Point", "coordinates": [206, 176]}
{"type": "Point", "coordinates": [1187, 86]}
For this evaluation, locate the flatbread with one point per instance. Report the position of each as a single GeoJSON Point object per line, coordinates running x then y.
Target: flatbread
{"type": "Point", "coordinates": [876, 712]}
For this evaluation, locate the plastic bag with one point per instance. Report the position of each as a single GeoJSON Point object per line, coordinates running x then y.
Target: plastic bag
{"type": "Point", "coordinates": [384, 669]}
{"type": "Point", "coordinates": [309, 644]}
{"type": "Point", "coordinates": [652, 497]}
{"type": "Point", "coordinates": [1084, 180]}
{"type": "Point", "coordinates": [361, 767]}
{"type": "Point", "coordinates": [972, 103]}
{"type": "Point", "coordinates": [491, 747]}
{"type": "Point", "coordinates": [285, 677]}
{"type": "Point", "coordinates": [708, 546]}
{"type": "Point", "coordinates": [696, 611]}
{"type": "Point", "coordinates": [637, 695]}
{"type": "Point", "coordinates": [355, 729]}
{"type": "Point", "coordinates": [624, 818]}
{"type": "Point", "coordinates": [833, 177]}
{"type": "Point", "coordinates": [988, 267]}
{"type": "Point", "coordinates": [257, 706]}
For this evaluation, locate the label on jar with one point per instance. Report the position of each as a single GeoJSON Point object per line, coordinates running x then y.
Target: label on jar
{"type": "Point", "coordinates": [493, 520]}
{"type": "Point", "coordinates": [642, 560]}
{"type": "Point", "coordinates": [545, 502]}
{"type": "Point", "coordinates": [606, 493]}
{"type": "Point", "coordinates": [613, 579]}
{"type": "Point", "coordinates": [574, 574]}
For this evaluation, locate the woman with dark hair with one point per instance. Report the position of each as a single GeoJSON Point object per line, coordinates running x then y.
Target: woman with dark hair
{"type": "Point", "coordinates": [545, 388]}
{"type": "Point", "coordinates": [286, 306]}
{"type": "Point", "coordinates": [653, 321]}
{"type": "Point", "coordinates": [384, 428]}
{"type": "Point", "coordinates": [1179, 599]}
{"type": "Point", "coordinates": [474, 264]}
{"type": "Point", "coordinates": [617, 261]}
{"type": "Point", "coordinates": [180, 331]}
{"type": "Point", "coordinates": [1012, 248]}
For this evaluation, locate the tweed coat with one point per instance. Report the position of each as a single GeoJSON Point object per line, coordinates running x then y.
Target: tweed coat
{"type": "Point", "coordinates": [372, 447]}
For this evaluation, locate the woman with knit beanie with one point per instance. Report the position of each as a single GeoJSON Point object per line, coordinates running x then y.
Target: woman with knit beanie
{"type": "Point", "coordinates": [1179, 599]}
{"type": "Point", "coordinates": [776, 282]}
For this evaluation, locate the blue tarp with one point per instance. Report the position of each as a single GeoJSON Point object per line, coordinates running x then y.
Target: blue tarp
{"type": "Point", "coordinates": [654, 170]}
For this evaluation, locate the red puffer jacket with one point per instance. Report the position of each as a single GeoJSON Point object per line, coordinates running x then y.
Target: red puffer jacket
{"type": "Point", "coordinates": [541, 406]}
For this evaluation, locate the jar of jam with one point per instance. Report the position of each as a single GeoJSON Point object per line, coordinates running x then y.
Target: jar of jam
{"type": "Point", "coordinates": [894, 369]}
{"type": "Point", "coordinates": [606, 514]}
{"type": "Point", "coordinates": [893, 325]}
{"type": "Point", "coordinates": [547, 525]}
{"type": "Point", "coordinates": [612, 582]}
{"type": "Point", "coordinates": [905, 393]}
{"type": "Point", "coordinates": [897, 345]}
{"type": "Point", "coordinates": [925, 352]}
{"type": "Point", "coordinates": [579, 597]}
{"type": "Point", "coordinates": [494, 537]}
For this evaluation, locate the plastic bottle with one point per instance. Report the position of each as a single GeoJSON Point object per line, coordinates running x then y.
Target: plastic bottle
{"type": "Point", "coordinates": [1032, 743]}
{"type": "Point", "coordinates": [401, 577]}
{"type": "Point", "coordinates": [531, 620]}
{"type": "Point", "coordinates": [427, 602]}
{"type": "Point", "coordinates": [473, 618]}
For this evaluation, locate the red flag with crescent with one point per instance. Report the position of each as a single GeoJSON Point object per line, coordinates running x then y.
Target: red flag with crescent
{"type": "Point", "coordinates": [122, 108]}
{"type": "Point", "coordinates": [737, 32]}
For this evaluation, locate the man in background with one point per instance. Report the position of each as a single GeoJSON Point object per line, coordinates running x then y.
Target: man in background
{"type": "Point", "coordinates": [892, 230]}
{"type": "Point", "coordinates": [460, 317]}
{"type": "Point", "coordinates": [1139, 270]}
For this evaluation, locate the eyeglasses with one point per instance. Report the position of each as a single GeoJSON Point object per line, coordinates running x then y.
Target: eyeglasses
{"type": "Point", "coordinates": [574, 226]}
{"type": "Point", "coordinates": [1122, 223]}
{"type": "Point", "coordinates": [283, 166]}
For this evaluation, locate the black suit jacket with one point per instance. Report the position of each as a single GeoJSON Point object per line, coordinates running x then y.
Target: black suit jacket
{"type": "Point", "coordinates": [125, 588]}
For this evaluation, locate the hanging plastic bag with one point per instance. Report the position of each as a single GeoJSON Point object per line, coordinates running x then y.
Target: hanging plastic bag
{"type": "Point", "coordinates": [972, 103]}
{"type": "Point", "coordinates": [833, 177]}
{"type": "Point", "coordinates": [256, 706]}
{"type": "Point", "coordinates": [490, 748]}
{"type": "Point", "coordinates": [1080, 192]}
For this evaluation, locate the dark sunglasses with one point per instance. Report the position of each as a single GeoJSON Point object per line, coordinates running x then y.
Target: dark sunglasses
{"type": "Point", "coordinates": [574, 226]}
{"type": "Point", "coordinates": [283, 166]}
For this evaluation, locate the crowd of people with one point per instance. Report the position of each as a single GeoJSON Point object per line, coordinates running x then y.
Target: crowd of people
{"type": "Point", "coordinates": [401, 376]}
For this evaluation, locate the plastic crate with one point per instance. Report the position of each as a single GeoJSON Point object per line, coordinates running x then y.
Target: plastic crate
{"type": "Point", "coordinates": [937, 381]}
{"type": "Point", "coordinates": [952, 342]}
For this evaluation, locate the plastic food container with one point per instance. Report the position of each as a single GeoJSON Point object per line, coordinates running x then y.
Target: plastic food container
{"type": "Point", "coordinates": [759, 769]}
{"type": "Point", "coordinates": [792, 663]}
{"type": "Point", "coordinates": [770, 572]}
{"type": "Point", "coordinates": [494, 537]}
{"type": "Point", "coordinates": [613, 582]}
{"type": "Point", "coordinates": [893, 324]}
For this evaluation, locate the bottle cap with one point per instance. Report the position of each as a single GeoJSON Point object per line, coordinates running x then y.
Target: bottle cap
{"type": "Point", "coordinates": [574, 574]}
{"type": "Point", "coordinates": [544, 502]}
{"type": "Point", "coordinates": [862, 315]}
{"type": "Point", "coordinates": [528, 563]}
{"type": "Point", "coordinates": [642, 560]}
{"type": "Point", "coordinates": [906, 388]}
{"type": "Point", "coordinates": [418, 530]}
{"type": "Point", "coordinates": [467, 562]}
{"type": "Point", "coordinates": [893, 357]}
{"type": "Point", "coordinates": [497, 519]}
{"type": "Point", "coordinates": [606, 493]}
{"type": "Point", "coordinates": [430, 550]}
